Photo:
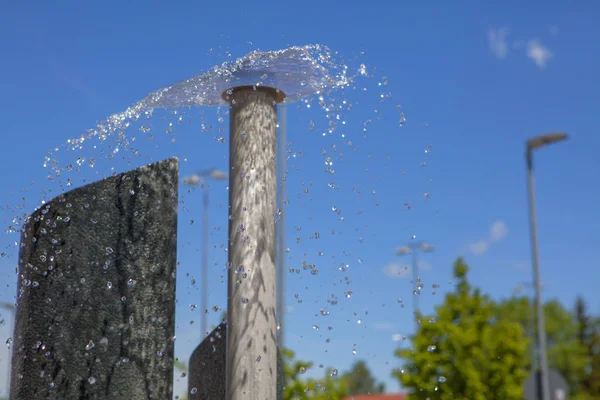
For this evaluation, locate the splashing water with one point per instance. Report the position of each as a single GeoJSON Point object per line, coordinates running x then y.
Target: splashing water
{"type": "Point", "coordinates": [297, 71]}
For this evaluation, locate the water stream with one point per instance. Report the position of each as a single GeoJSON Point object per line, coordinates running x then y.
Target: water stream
{"type": "Point", "coordinates": [298, 71]}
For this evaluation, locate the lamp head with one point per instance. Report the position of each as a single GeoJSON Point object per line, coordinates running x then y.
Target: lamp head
{"type": "Point", "coordinates": [544, 140]}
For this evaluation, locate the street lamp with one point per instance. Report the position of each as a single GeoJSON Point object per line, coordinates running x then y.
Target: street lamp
{"type": "Point", "coordinates": [194, 180]}
{"type": "Point", "coordinates": [413, 248]}
{"type": "Point", "coordinates": [533, 144]}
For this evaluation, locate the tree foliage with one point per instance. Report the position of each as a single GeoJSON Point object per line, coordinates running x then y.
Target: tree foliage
{"type": "Point", "coordinates": [464, 351]}
{"type": "Point", "coordinates": [331, 386]}
{"type": "Point", "coordinates": [588, 337]}
{"type": "Point", "coordinates": [566, 334]}
{"type": "Point", "coordinates": [361, 381]}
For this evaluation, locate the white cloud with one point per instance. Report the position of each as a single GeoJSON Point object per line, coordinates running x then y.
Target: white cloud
{"type": "Point", "coordinates": [480, 247]}
{"type": "Point", "coordinates": [498, 232]}
{"type": "Point", "coordinates": [534, 49]}
{"type": "Point", "coordinates": [397, 337]}
{"type": "Point", "coordinates": [395, 270]}
{"type": "Point", "coordinates": [384, 326]}
{"type": "Point", "coordinates": [424, 265]}
{"type": "Point", "coordinates": [498, 44]}
{"type": "Point", "coordinates": [538, 53]}
{"type": "Point", "coordinates": [521, 265]}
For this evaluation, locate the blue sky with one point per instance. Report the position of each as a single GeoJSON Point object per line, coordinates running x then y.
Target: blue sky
{"type": "Point", "coordinates": [474, 82]}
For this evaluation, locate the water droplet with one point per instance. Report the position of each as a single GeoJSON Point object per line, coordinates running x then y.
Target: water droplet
{"type": "Point", "coordinates": [354, 351]}
{"type": "Point", "coordinates": [91, 380]}
{"type": "Point", "coordinates": [315, 327]}
{"type": "Point", "coordinates": [109, 250]}
{"type": "Point", "coordinates": [9, 341]}
{"type": "Point", "coordinates": [90, 345]}
{"type": "Point", "coordinates": [109, 285]}
{"type": "Point", "coordinates": [334, 372]}
{"type": "Point", "coordinates": [442, 379]}
{"type": "Point", "coordinates": [431, 348]}
{"type": "Point", "coordinates": [193, 391]}
{"type": "Point", "coordinates": [402, 119]}
{"type": "Point", "coordinates": [258, 358]}
{"type": "Point", "coordinates": [302, 370]}
{"type": "Point", "coordinates": [244, 300]}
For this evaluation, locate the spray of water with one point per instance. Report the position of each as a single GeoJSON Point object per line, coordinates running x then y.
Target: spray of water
{"type": "Point", "coordinates": [297, 71]}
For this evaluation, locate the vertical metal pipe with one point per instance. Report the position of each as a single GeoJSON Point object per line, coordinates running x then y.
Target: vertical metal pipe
{"type": "Point", "coordinates": [205, 225]}
{"type": "Point", "coordinates": [415, 268]}
{"type": "Point", "coordinates": [281, 257]}
{"type": "Point", "coordinates": [531, 327]}
{"type": "Point", "coordinates": [251, 365]}
{"type": "Point", "coordinates": [543, 360]}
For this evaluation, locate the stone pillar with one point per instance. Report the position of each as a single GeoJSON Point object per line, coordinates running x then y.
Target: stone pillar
{"type": "Point", "coordinates": [207, 370]}
{"type": "Point", "coordinates": [96, 293]}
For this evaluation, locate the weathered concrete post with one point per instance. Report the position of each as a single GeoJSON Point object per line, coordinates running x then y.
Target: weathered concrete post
{"type": "Point", "coordinates": [96, 293]}
{"type": "Point", "coordinates": [207, 368]}
{"type": "Point", "coordinates": [251, 305]}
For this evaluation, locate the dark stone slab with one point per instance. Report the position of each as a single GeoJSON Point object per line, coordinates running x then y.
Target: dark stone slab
{"type": "Point", "coordinates": [96, 293]}
{"type": "Point", "coordinates": [206, 375]}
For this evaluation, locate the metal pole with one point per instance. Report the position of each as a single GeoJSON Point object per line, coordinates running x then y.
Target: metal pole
{"type": "Point", "coordinates": [251, 366]}
{"type": "Point", "coordinates": [204, 301]}
{"type": "Point", "coordinates": [416, 295]}
{"type": "Point", "coordinates": [10, 307]}
{"type": "Point", "coordinates": [543, 360]}
{"type": "Point", "coordinates": [531, 323]}
{"type": "Point", "coordinates": [281, 258]}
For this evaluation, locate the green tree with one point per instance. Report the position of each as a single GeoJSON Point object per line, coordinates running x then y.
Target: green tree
{"type": "Point", "coordinates": [588, 337]}
{"type": "Point", "coordinates": [360, 380]}
{"type": "Point", "coordinates": [465, 351]}
{"type": "Point", "coordinates": [296, 387]}
{"type": "Point", "coordinates": [180, 366]}
{"type": "Point", "coordinates": [566, 353]}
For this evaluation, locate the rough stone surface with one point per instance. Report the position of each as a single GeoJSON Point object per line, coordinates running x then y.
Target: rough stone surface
{"type": "Point", "coordinates": [252, 280]}
{"type": "Point", "coordinates": [96, 292]}
{"type": "Point", "coordinates": [206, 375]}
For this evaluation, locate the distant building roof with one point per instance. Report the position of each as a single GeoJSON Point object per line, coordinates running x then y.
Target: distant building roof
{"type": "Point", "coordinates": [394, 396]}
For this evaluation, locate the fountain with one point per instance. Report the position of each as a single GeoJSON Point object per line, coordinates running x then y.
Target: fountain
{"type": "Point", "coordinates": [252, 86]}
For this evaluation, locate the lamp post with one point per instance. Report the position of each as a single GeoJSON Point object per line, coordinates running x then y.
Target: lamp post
{"type": "Point", "coordinates": [531, 145]}
{"type": "Point", "coordinates": [10, 307]}
{"type": "Point", "coordinates": [530, 321]}
{"type": "Point", "coordinates": [194, 180]}
{"type": "Point", "coordinates": [413, 248]}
